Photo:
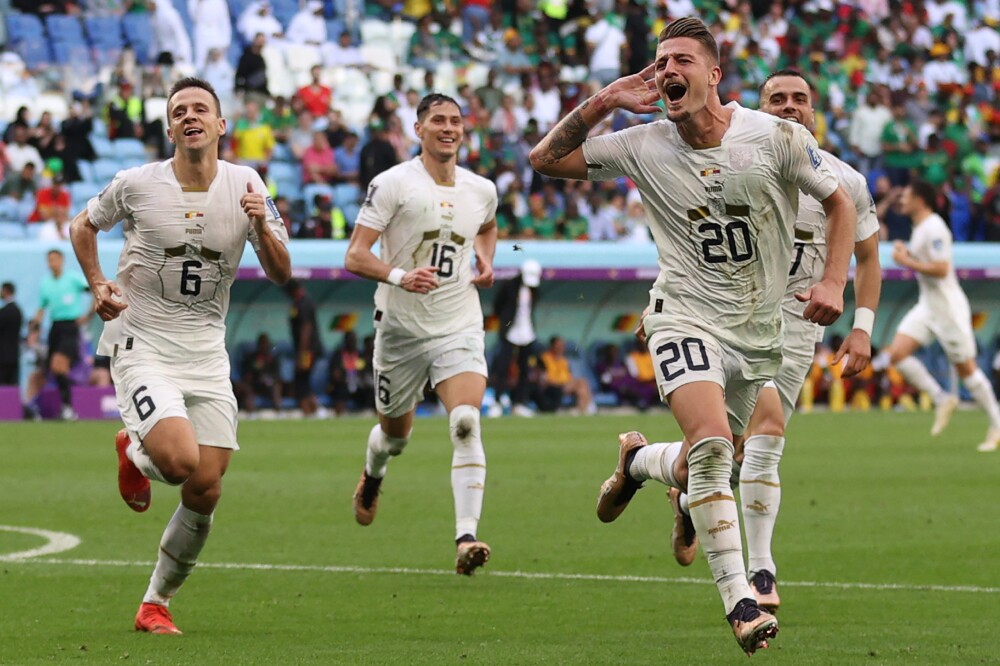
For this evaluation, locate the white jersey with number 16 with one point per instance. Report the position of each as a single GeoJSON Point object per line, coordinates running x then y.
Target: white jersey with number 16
{"type": "Point", "coordinates": [182, 250]}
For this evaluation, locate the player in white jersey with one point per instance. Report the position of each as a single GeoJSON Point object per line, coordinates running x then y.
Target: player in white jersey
{"type": "Point", "coordinates": [431, 217]}
{"type": "Point", "coordinates": [942, 312]}
{"type": "Point", "coordinates": [187, 221]}
{"type": "Point", "coordinates": [787, 94]}
{"type": "Point", "coordinates": [721, 184]}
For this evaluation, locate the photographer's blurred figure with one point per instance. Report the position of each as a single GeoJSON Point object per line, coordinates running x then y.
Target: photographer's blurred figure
{"type": "Point", "coordinates": [514, 307]}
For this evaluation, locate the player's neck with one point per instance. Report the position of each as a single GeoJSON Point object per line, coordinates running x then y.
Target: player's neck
{"type": "Point", "coordinates": [706, 128]}
{"type": "Point", "coordinates": [443, 173]}
{"type": "Point", "coordinates": [921, 216]}
{"type": "Point", "coordinates": [195, 171]}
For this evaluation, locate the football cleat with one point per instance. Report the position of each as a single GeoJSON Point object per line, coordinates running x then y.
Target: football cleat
{"type": "Point", "coordinates": [992, 441]}
{"type": "Point", "coordinates": [155, 619]}
{"type": "Point", "coordinates": [132, 485]}
{"type": "Point", "coordinates": [619, 489]}
{"type": "Point", "coordinates": [471, 556]}
{"type": "Point", "coordinates": [752, 626]}
{"type": "Point", "coordinates": [765, 590]}
{"type": "Point", "coordinates": [943, 413]}
{"type": "Point", "coordinates": [683, 537]}
{"type": "Point", "coordinates": [366, 499]}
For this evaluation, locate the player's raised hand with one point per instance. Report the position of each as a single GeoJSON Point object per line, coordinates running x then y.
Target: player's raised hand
{"type": "Point", "coordinates": [857, 348]}
{"type": "Point", "coordinates": [485, 278]}
{"type": "Point", "coordinates": [420, 280]}
{"type": "Point", "coordinates": [108, 300]}
{"type": "Point", "coordinates": [253, 205]}
{"type": "Point", "coordinates": [901, 254]}
{"type": "Point", "coordinates": [636, 93]}
{"type": "Point", "coordinates": [826, 303]}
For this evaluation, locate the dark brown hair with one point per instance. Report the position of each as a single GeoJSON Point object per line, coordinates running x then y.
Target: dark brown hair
{"type": "Point", "coordinates": [193, 82]}
{"type": "Point", "coordinates": [693, 28]}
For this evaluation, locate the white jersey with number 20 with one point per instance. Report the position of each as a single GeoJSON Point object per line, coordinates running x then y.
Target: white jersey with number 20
{"type": "Point", "coordinates": [182, 250]}
{"type": "Point", "coordinates": [722, 218]}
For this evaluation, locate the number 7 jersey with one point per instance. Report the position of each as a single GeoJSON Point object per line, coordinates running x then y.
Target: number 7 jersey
{"type": "Point", "coordinates": [722, 218]}
{"type": "Point", "coordinates": [423, 223]}
{"type": "Point", "coordinates": [182, 249]}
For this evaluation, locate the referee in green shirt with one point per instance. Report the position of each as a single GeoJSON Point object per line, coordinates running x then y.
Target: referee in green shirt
{"type": "Point", "coordinates": [60, 295]}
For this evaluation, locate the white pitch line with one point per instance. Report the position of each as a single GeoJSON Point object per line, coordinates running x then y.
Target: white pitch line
{"type": "Point", "coordinates": [56, 542]}
{"type": "Point", "coordinates": [904, 587]}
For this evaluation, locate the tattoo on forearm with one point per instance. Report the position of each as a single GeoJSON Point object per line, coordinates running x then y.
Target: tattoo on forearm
{"type": "Point", "coordinates": [567, 135]}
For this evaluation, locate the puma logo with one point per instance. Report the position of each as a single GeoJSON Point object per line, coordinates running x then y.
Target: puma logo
{"type": "Point", "coordinates": [722, 526]}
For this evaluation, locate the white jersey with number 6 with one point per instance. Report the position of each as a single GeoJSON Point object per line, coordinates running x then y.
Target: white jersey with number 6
{"type": "Point", "coordinates": [722, 218]}
{"type": "Point", "coordinates": [182, 249]}
{"type": "Point", "coordinates": [426, 224]}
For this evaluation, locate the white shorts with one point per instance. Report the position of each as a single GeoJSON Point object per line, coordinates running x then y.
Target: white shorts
{"type": "Point", "coordinates": [797, 356]}
{"type": "Point", "coordinates": [683, 355]}
{"type": "Point", "coordinates": [403, 365]}
{"type": "Point", "coordinates": [149, 388]}
{"type": "Point", "coordinates": [952, 329]}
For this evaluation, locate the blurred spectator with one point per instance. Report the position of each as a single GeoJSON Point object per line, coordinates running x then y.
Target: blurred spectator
{"type": "Point", "coordinates": [212, 28]}
{"type": "Point", "coordinates": [557, 381]}
{"type": "Point", "coordinates": [305, 340]}
{"type": "Point", "coordinates": [346, 380]}
{"type": "Point", "coordinates": [257, 19]}
{"type": "Point", "coordinates": [512, 61]}
{"type": "Point", "coordinates": [20, 152]}
{"type": "Point", "coordinates": [315, 96]}
{"type": "Point", "coordinates": [318, 162]}
{"type": "Point", "coordinates": [217, 71]}
{"type": "Point", "coordinates": [170, 36]}
{"type": "Point", "coordinates": [545, 95]}
{"type": "Point", "coordinates": [251, 71]}
{"type": "Point", "coordinates": [640, 370]}
{"type": "Point", "coordinates": [514, 308]}
{"type": "Point", "coordinates": [899, 147]}
{"type": "Point", "coordinates": [348, 160]}
{"type": "Point", "coordinates": [125, 113]}
{"type": "Point", "coordinates": [573, 225]}
{"type": "Point", "coordinates": [254, 138]}
{"type": "Point", "coordinates": [42, 136]}
{"type": "Point", "coordinates": [17, 194]}
{"type": "Point", "coordinates": [259, 377]}
{"type": "Point", "coordinates": [76, 129]}
{"type": "Point", "coordinates": [307, 27]}
{"type": "Point", "coordinates": [538, 223]}
{"type": "Point", "coordinates": [475, 17]}
{"type": "Point", "coordinates": [318, 224]}
{"type": "Point", "coordinates": [608, 221]}
{"type": "Point", "coordinates": [635, 225]}
{"type": "Point", "coordinates": [281, 117]}
{"type": "Point", "coordinates": [867, 124]}
{"type": "Point", "coordinates": [509, 120]}
{"type": "Point", "coordinates": [991, 211]}
{"type": "Point", "coordinates": [429, 48]}
{"type": "Point", "coordinates": [942, 74]}
{"type": "Point", "coordinates": [22, 118]}
{"type": "Point", "coordinates": [605, 39]}
{"type": "Point", "coordinates": [284, 207]}
{"type": "Point", "coordinates": [52, 211]}
{"type": "Point", "coordinates": [60, 295]}
{"type": "Point", "coordinates": [489, 93]}
{"type": "Point", "coordinates": [377, 155]}
{"type": "Point", "coordinates": [300, 138]}
{"type": "Point", "coordinates": [979, 42]}
{"type": "Point", "coordinates": [11, 320]}
{"type": "Point", "coordinates": [996, 365]}
{"type": "Point", "coordinates": [342, 53]}
{"type": "Point", "coordinates": [46, 7]}
{"type": "Point", "coordinates": [336, 131]}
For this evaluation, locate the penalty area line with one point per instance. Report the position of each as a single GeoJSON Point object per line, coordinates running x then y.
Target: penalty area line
{"type": "Point", "coordinates": [531, 575]}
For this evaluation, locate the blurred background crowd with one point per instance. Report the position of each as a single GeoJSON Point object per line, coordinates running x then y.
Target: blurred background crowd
{"type": "Point", "coordinates": [321, 96]}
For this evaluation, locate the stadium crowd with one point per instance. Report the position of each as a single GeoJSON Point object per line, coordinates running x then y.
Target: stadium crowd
{"type": "Point", "coordinates": [321, 96]}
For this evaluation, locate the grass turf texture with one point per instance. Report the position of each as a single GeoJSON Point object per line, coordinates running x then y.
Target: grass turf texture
{"type": "Point", "coordinates": [868, 498]}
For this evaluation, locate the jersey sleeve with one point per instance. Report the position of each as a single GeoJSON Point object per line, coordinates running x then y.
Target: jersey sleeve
{"type": "Point", "coordinates": [490, 190]}
{"type": "Point", "coordinates": [272, 219]}
{"type": "Point", "coordinates": [800, 162]}
{"type": "Point", "coordinates": [608, 156]}
{"type": "Point", "coordinates": [864, 204]}
{"type": "Point", "coordinates": [938, 244]}
{"type": "Point", "coordinates": [108, 208]}
{"type": "Point", "coordinates": [380, 203]}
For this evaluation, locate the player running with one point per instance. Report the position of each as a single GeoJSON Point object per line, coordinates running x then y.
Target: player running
{"type": "Point", "coordinates": [430, 216]}
{"type": "Point", "coordinates": [721, 184]}
{"type": "Point", "coordinates": [787, 94]}
{"type": "Point", "coordinates": [942, 312]}
{"type": "Point", "coordinates": [187, 221]}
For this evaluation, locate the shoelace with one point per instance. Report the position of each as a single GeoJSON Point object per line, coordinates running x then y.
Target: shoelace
{"type": "Point", "coordinates": [763, 581]}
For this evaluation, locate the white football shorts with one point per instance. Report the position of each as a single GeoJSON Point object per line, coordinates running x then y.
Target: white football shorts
{"type": "Point", "coordinates": [952, 329]}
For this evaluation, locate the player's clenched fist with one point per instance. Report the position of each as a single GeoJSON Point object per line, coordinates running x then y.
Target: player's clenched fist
{"type": "Point", "coordinates": [107, 296]}
{"type": "Point", "coordinates": [826, 303]}
{"type": "Point", "coordinates": [420, 280]}
{"type": "Point", "coordinates": [253, 205]}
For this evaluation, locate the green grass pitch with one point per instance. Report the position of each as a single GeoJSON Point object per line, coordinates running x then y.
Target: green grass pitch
{"type": "Point", "coordinates": [888, 547]}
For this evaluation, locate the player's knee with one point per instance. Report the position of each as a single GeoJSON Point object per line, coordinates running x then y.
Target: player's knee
{"type": "Point", "coordinates": [710, 429]}
{"type": "Point", "coordinates": [770, 424]}
{"type": "Point", "coordinates": [178, 468]}
{"type": "Point", "coordinates": [395, 445]}
{"type": "Point", "coordinates": [463, 423]}
{"type": "Point", "coordinates": [711, 458]}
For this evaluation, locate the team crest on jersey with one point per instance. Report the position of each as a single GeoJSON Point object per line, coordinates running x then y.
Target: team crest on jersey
{"type": "Point", "coordinates": [447, 210]}
{"type": "Point", "coordinates": [937, 244]}
{"type": "Point", "coordinates": [814, 157]}
{"type": "Point", "coordinates": [741, 157]}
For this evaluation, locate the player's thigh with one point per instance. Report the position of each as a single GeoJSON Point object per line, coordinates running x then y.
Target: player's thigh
{"type": "Point", "coordinates": [691, 376]}
{"type": "Point", "coordinates": [212, 407]}
{"type": "Point", "coordinates": [789, 380]}
{"type": "Point", "coordinates": [466, 388]}
{"type": "Point", "coordinates": [460, 356]}
{"type": "Point", "coordinates": [955, 335]}
{"type": "Point", "coordinates": [401, 371]}
{"type": "Point", "coordinates": [148, 392]}
{"type": "Point", "coordinates": [915, 327]}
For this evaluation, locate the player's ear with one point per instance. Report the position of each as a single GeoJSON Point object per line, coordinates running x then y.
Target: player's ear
{"type": "Point", "coordinates": [222, 126]}
{"type": "Point", "coordinates": [715, 76]}
{"type": "Point", "coordinates": [170, 135]}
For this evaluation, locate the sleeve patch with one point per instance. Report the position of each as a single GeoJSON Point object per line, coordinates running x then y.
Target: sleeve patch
{"type": "Point", "coordinates": [814, 157]}
{"type": "Point", "coordinates": [271, 206]}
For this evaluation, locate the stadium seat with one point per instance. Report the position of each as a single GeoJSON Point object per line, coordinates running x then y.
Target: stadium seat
{"type": "Point", "coordinates": [80, 193]}
{"type": "Point", "coordinates": [284, 10]}
{"type": "Point", "coordinates": [34, 52]}
{"type": "Point", "coordinates": [126, 149]}
{"type": "Point", "coordinates": [86, 169]}
{"type": "Point", "coordinates": [138, 33]}
{"type": "Point", "coordinates": [104, 31]}
{"type": "Point", "coordinates": [11, 231]}
{"type": "Point", "coordinates": [63, 28]}
{"type": "Point", "coordinates": [300, 58]}
{"type": "Point", "coordinates": [346, 194]}
{"type": "Point", "coordinates": [380, 56]}
{"type": "Point", "coordinates": [279, 80]}
{"type": "Point", "coordinates": [374, 31]}
{"type": "Point", "coordinates": [156, 109]}
{"type": "Point", "coordinates": [105, 169]}
{"type": "Point", "coordinates": [284, 171]}
{"type": "Point", "coordinates": [310, 191]}
{"type": "Point", "coordinates": [73, 53]}
{"type": "Point", "coordinates": [103, 146]}
{"type": "Point", "coordinates": [24, 26]}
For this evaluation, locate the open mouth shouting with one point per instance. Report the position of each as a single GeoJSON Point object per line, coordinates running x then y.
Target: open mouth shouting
{"type": "Point", "coordinates": [193, 131]}
{"type": "Point", "coordinates": [675, 92]}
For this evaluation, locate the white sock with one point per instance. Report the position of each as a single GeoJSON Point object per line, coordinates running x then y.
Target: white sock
{"type": "Point", "coordinates": [180, 545]}
{"type": "Point", "coordinates": [982, 393]}
{"type": "Point", "coordinates": [715, 517]}
{"type": "Point", "coordinates": [381, 447]}
{"type": "Point", "coordinates": [881, 361]}
{"type": "Point", "coordinates": [916, 374]}
{"type": "Point", "coordinates": [760, 497]}
{"type": "Point", "coordinates": [140, 458]}
{"type": "Point", "coordinates": [655, 461]}
{"type": "Point", "coordinates": [468, 468]}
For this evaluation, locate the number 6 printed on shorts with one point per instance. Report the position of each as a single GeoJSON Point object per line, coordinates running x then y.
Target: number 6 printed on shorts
{"type": "Point", "coordinates": [144, 406]}
{"type": "Point", "coordinates": [689, 348]}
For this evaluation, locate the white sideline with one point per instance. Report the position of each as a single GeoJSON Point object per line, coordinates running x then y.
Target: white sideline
{"type": "Point", "coordinates": [515, 574]}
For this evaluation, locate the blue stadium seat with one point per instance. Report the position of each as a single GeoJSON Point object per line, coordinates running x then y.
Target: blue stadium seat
{"type": "Point", "coordinates": [284, 10]}
{"type": "Point", "coordinates": [290, 188]}
{"type": "Point", "coordinates": [80, 193]}
{"type": "Point", "coordinates": [138, 33]}
{"type": "Point", "coordinates": [102, 145]}
{"type": "Point", "coordinates": [71, 53]}
{"type": "Point", "coordinates": [346, 194]}
{"type": "Point", "coordinates": [34, 52]}
{"type": "Point", "coordinates": [310, 191]}
{"type": "Point", "coordinates": [86, 169]}
{"type": "Point", "coordinates": [106, 55]}
{"type": "Point", "coordinates": [284, 171]}
{"type": "Point", "coordinates": [11, 231]}
{"type": "Point", "coordinates": [24, 26]}
{"type": "Point", "coordinates": [66, 29]}
{"type": "Point", "coordinates": [126, 149]}
{"type": "Point", "coordinates": [350, 212]}
{"type": "Point", "coordinates": [104, 31]}
{"type": "Point", "coordinates": [105, 169]}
